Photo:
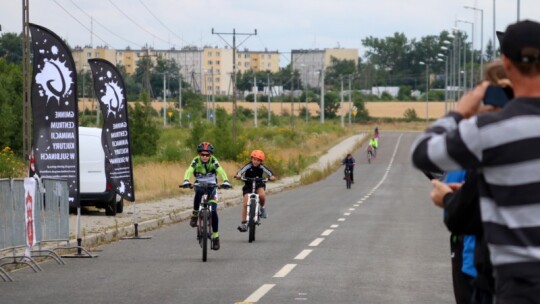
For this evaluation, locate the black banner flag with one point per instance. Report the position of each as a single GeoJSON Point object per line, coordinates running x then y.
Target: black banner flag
{"type": "Point", "coordinates": [111, 93]}
{"type": "Point", "coordinates": [55, 110]}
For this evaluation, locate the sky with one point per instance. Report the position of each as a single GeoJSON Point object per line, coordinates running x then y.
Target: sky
{"type": "Point", "coordinates": [281, 25]}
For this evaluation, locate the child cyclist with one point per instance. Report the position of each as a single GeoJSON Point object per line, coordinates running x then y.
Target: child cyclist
{"type": "Point", "coordinates": [349, 162]}
{"type": "Point", "coordinates": [205, 166]}
{"type": "Point", "coordinates": [254, 169]}
{"type": "Point", "coordinates": [374, 143]}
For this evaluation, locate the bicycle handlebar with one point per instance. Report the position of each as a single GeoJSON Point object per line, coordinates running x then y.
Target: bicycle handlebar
{"type": "Point", "coordinates": [205, 185]}
{"type": "Point", "coordinates": [257, 179]}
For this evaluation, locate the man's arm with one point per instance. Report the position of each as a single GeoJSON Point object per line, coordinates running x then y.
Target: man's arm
{"type": "Point", "coordinates": [452, 143]}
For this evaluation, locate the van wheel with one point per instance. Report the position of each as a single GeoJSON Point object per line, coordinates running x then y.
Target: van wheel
{"type": "Point", "coordinates": [120, 206]}
{"type": "Point", "coordinates": [110, 207]}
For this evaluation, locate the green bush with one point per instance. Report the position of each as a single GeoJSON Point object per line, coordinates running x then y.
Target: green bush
{"type": "Point", "coordinates": [143, 130]}
{"type": "Point", "coordinates": [10, 166]}
{"type": "Point", "coordinates": [410, 115]}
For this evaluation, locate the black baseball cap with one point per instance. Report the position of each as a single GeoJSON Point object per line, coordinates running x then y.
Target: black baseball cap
{"type": "Point", "coordinates": [519, 37]}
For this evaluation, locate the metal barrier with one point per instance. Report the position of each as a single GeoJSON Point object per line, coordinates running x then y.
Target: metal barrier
{"type": "Point", "coordinates": [51, 222]}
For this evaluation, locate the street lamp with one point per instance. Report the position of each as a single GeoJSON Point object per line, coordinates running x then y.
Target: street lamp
{"type": "Point", "coordinates": [427, 87]}
{"type": "Point", "coordinates": [472, 52]}
{"type": "Point", "coordinates": [481, 38]}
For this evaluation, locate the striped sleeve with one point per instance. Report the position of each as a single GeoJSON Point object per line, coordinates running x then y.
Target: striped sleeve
{"type": "Point", "coordinates": [451, 143]}
{"type": "Point", "coordinates": [266, 170]}
{"type": "Point", "coordinates": [244, 169]}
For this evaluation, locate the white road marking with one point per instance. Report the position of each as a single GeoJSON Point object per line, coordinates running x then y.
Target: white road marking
{"type": "Point", "coordinates": [356, 205]}
{"type": "Point", "coordinates": [302, 255]}
{"type": "Point", "coordinates": [341, 220]}
{"type": "Point", "coordinates": [284, 271]}
{"type": "Point", "coordinates": [334, 226]}
{"type": "Point", "coordinates": [259, 293]}
{"type": "Point", "coordinates": [352, 209]}
{"type": "Point", "coordinates": [347, 213]}
{"type": "Point", "coordinates": [316, 242]}
{"type": "Point", "coordinates": [327, 232]}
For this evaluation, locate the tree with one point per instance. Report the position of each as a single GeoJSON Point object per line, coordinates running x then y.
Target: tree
{"type": "Point", "coordinates": [11, 47]}
{"type": "Point", "coordinates": [143, 130]}
{"type": "Point", "coordinates": [331, 104]}
{"type": "Point", "coordinates": [337, 69]}
{"type": "Point", "coordinates": [11, 106]}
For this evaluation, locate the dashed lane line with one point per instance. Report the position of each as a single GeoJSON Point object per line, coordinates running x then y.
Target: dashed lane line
{"type": "Point", "coordinates": [327, 232]}
{"type": "Point", "coordinates": [316, 242]}
{"type": "Point", "coordinates": [259, 293]}
{"type": "Point", "coordinates": [284, 271]}
{"type": "Point", "coordinates": [303, 254]}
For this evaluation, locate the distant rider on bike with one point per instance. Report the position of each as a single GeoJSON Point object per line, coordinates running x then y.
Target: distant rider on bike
{"type": "Point", "coordinates": [374, 143]}
{"type": "Point", "coordinates": [254, 169]}
{"type": "Point", "coordinates": [206, 165]}
{"type": "Point", "coordinates": [349, 162]}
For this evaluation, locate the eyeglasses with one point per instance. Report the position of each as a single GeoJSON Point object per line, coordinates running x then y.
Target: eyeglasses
{"type": "Point", "coordinates": [204, 155]}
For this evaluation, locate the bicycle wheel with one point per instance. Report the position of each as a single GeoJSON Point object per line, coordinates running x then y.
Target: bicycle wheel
{"type": "Point", "coordinates": [203, 215]}
{"type": "Point", "coordinates": [369, 158]}
{"type": "Point", "coordinates": [251, 223]}
{"type": "Point", "coordinates": [348, 179]}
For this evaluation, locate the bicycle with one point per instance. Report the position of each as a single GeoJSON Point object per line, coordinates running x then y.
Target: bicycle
{"type": "Point", "coordinates": [253, 206]}
{"type": "Point", "coordinates": [369, 156]}
{"type": "Point", "coordinates": [348, 176]}
{"type": "Point", "coordinates": [204, 222]}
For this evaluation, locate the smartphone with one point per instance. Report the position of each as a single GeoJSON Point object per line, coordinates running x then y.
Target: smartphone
{"type": "Point", "coordinates": [434, 175]}
{"type": "Point", "coordinates": [498, 96]}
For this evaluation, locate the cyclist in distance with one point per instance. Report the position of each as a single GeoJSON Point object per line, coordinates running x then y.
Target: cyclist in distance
{"type": "Point", "coordinates": [374, 143]}
{"type": "Point", "coordinates": [206, 165]}
{"type": "Point", "coordinates": [349, 162]}
{"type": "Point", "coordinates": [254, 169]}
{"type": "Point", "coordinates": [376, 132]}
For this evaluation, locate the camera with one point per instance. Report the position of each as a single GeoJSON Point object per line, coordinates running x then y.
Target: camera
{"type": "Point", "coordinates": [498, 96]}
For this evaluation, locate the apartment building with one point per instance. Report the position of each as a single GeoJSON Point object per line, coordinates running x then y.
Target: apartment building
{"type": "Point", "coordinates": [82, 54]}
{"type": "Point", "coordinates": [257, 61]}
{"type": "Point", "coordinates": [309, 63]}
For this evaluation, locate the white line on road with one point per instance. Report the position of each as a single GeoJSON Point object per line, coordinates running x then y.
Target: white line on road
{"type": "Point", "coordinates": [284, 271]}
{"type": "Point", "coordinates": [352, 209]}
{"type": "Point", "coordinates": [316, 242]}
{"type": "Point", "coordinates": [334, 226]}
{"type": "Point", "coordinates": [347, 213]}
{"type": "Point", "coordinates": [341, 220]}
{"type": "Point", "coordinates": [259, 293]}
{"type": "Point", "coordinates": [302, 255]}
{"type": "Point", "coordinates": [327, 232]}
{"type": "Point", "coordinates": [356, 205]}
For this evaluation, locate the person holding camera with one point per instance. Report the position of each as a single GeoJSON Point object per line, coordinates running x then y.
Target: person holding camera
{"type": "Point", "coordinates": [505, 146]}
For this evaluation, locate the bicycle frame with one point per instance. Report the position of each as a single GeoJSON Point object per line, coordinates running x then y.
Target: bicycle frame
{"type": "Point", "coordinates": [204, 222]}
{"type": "Point", "coordinates": [253, 206]}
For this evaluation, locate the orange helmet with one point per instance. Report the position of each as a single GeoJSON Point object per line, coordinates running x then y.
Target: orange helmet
{"type": "Point", "coordinates": [258, 154]}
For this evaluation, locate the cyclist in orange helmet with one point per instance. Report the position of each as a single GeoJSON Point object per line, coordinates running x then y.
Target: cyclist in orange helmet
{"type": "Point", "coordinates": [254, 169]}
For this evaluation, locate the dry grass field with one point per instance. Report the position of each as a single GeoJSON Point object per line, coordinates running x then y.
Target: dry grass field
{"type": "Point", "coordinates": [393, 109]}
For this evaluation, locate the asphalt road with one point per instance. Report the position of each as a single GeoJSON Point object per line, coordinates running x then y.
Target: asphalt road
{"type": "Point", "coordinates": [380, 242]}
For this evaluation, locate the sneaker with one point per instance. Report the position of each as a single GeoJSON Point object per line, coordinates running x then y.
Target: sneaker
{"type": "Point", "coordinates": [263, 213]}
{"type": "Point", "coordinates": [193, 221]}
{"type": "Point", "coordinates": [215, 243]}
{"type": "Point", "coordinates": [243, 227]}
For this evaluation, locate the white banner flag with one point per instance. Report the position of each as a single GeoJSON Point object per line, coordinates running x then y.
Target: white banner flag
{"type": "Point", "coordinates": [29, 206]}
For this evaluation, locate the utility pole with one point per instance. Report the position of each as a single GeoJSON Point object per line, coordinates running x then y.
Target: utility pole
{"type": "Point", "coordinates": [341, 105]}
{"type": "Point", "coordinates": [350, 102]}
{"type": "Point", "coordinates": [179, 99]}
{"type": "Point", "coordinates": [234, 46]}
{"type": "Point", "coordinates": [255, 90]}
{"type": "Point", "coordinates": [27, 106]}
{"type": "Point", "coordinates": [322, 94]}
{"type": "Point", "coordinates": [268, 95]}
{"type": "Point", "coordinates": [164, 99]}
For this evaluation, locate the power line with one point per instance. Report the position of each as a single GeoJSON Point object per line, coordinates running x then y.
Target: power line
{"type": "Point", "coordinates": [170, 31]}
{"type": "Point", "coordinates": [103, 26]}
{"type": "Point", "coordinates": [133, 21]}
{"type": "Point", "coordinates": [78, 21]}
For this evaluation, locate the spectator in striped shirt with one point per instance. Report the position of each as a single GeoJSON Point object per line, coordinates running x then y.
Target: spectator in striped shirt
{"type": "Point", "coordinates": [505, 147]}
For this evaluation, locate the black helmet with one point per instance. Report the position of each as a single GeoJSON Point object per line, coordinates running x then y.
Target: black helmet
{"type": "Point", "coordinates": [205, 146]}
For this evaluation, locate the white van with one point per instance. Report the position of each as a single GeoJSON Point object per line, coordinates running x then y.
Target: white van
{"type": "Point", "coordinates": [95, 190]}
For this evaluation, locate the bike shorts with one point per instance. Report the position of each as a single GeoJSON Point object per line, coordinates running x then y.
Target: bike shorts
{"type": "Point", "coordinates": [247, 188]}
